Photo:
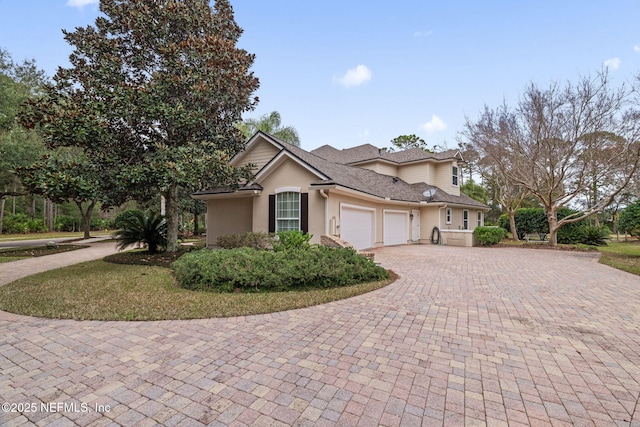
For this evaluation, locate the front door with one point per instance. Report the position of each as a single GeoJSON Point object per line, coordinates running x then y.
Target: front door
{"type": "Point", "coordinates": [415, 225]}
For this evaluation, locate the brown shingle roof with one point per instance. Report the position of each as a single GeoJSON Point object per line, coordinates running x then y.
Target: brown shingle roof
{"type": "Point", "coordinates": [360, 179]}
{"type": "Point", "coordinates": [373, 183]}
{"type": "Point", "coordinates": [368, 152]}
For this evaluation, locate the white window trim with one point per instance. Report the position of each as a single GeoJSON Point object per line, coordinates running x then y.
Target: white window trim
{"type": "Point", "coordinates": [456, 176]}
{"type": "Point", "coordinates": [289, 190]}
{"type": "Point", "coordinates": [465, 226]}
{"type": "Point", "coordinates": [480, 217]}
{"type": "Point", "coordinates": [447, 216]}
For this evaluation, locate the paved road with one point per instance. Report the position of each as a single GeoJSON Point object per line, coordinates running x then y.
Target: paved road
{"type": "Point", "coordinates": [23, 243]}
{"type": "Point", "coordinates": [497, 337]}
{"type": "Point", "coordinates": [11, 271]}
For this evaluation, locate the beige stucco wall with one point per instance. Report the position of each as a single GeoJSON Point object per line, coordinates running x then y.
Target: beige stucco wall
{"type": "Point", "coordinates": [428, 220]}
{"type": "Point", "coordinates": [226, 216]}
{"type": "Point", "coordinates": [456, 219]}
{"type": "Point", "coordinates": [290, 174]}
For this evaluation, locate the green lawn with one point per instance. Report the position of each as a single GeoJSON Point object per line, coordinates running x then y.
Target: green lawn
{"type": "Point", "coordinates": [622, 255]}
{"type": "Point", "coordinates": [103, 291]}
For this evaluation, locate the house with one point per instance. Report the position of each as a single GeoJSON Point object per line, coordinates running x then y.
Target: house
{"type": "Point", "coordinates": [364, 195]}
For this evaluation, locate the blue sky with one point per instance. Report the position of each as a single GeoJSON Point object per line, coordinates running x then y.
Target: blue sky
{"type": "Point", "coordinates": [346, 73]}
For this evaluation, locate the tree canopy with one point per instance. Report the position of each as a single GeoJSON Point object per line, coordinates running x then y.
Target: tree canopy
{"type": "Point", "coordinates": [153, 95]}
{"type": "Point", "coordinates": [404, 142]}
{"type": "Point", "coordinates": [560, 142]}
{"type": "Point", "coordinates": [271, 124]}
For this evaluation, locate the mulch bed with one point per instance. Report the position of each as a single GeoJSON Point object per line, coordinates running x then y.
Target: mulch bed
{"type": "Point", "coordinates": [560, 247]}
{"type": "Point", "coordinates": [161, 259]}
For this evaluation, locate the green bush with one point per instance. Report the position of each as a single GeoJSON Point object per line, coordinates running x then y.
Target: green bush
{"type": "Point", "coordinates": [125, 217]}
{"type": "Point", "coordinates": [139, 228]}
{"type": "Point", "coordinates": [255, 240]}
{"type": "Point", "coordinates": [594, 236]}
{"type": "Point", "coordinates": [528, 220]}
{"type": "Point", "coordinates": [21, 223]}
{"type": "Point", "coordinates": [487, 236]}
{"type": "Point", "coordinates": [629, 221]}
{"type": "Point", "coordinates": [291, 240]}
{"type": "Point", "coordinates": [251, 269]}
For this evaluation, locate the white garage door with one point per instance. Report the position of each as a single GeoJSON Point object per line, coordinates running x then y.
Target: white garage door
{"type": "Point", "coordinates": [357, 226]}
{"type": "Point", "coordinates": [395, 228]}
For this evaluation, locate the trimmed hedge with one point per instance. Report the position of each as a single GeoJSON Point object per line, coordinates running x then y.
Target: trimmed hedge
{"type": "Point", "coordinates": [487, 236]}
{"type": "Point", "coordinates": [249, 269]}
{"type": "Point", "coordinates": [250, 239]}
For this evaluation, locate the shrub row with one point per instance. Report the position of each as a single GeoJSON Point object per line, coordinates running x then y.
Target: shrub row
{"type": "Point", "coordinates": [251, 269]}
{"type": "Point", "coordinates": [255, 240]}
{"type": "Point", "coordinates": [534, 220]}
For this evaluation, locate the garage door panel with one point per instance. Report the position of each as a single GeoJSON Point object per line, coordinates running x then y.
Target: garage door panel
{"type": "Point", "coordinates": [395, 228]}
{"type": "Point", "coordinates": [357, 227]}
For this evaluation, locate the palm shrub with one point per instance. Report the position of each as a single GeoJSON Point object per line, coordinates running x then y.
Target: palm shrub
{"type": "Point", "coordinates": [595, 236]}
{"type": "Point", "coordinates": [139, 227]}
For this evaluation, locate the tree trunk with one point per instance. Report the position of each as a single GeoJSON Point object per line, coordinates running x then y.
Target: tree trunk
{"type": "Point", "coordinates": [171, 197]}
{"type": "Point", "coordinates": [512, 226]}
{"type": "Point", "coordinates": [50, 215]}
{"type": "Point", "coordinates": [86, 218]}
{"type": "Point", "coordinates": [1, 214]}
{"type": "Point", "coordinates": [552, 218]}
{"type": "Point", "coordinates": [196, 223]}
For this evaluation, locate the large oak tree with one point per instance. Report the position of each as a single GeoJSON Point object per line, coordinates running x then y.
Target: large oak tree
{"type": "Point", "coordinates": [562, 142]}
{"type": "Point", "coordinates": [153, 95]}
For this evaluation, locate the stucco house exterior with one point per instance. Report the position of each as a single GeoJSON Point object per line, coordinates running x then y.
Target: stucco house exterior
{"type": "Point", "coordinates": [363, 195]}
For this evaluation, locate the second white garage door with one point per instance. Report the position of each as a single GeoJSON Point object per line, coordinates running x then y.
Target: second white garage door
{"type": "Point", "coordinates": [396, 226]}
{"type": "Point", "coordinates": [357, 226]}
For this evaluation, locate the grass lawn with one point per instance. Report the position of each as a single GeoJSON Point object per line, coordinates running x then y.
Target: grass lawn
{"type": "Point", "coordinates": [622, 255]}
{"type": "Point", "coordinates": [99, 290]}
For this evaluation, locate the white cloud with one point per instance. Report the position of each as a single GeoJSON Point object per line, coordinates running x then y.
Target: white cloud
{"type": "Point", "coordinates": [422, 33]}
{"type": "Point", "coordinates": [434, 125]}
{"type": "Point", "coordinates": [612, 63]}
{"type": "Point", "coordinates": [81, 3]}
{"type": "Point", "coordinates": [354, 76]}
{"type": "Point", "coordinates": [636, 48]}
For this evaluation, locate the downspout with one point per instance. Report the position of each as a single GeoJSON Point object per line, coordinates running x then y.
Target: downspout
{"type": "Point", "coordinates": [326, 211]}
{"type": "Point", "coordinates": [440, 215]}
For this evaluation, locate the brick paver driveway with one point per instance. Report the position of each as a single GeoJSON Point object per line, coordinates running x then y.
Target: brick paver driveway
{"type": "Point", "coordinates": [466, 336]}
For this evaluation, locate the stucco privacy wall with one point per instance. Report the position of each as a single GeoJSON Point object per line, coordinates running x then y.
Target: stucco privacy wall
{"type": "Point", "coordinates": [290, 174]}
{"type": "Point", "coordinates": [228, 216]}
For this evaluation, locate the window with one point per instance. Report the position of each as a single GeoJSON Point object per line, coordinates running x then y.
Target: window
{"type": "Point", "coordinates": [465, 219]}
{"type": "Point", "coordinates": [448, 215]}
{"type": "Point", "coordinates": [479, 218]}
{"type": "Point", "coordinates": [288, 211]}
{"type": "Point", "coordinates": [454, 175]}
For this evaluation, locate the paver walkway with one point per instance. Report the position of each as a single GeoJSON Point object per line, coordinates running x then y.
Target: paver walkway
{"type": "Point", "coordinates": [467, 336]}
{"type": "Point", "coordinates": [11, 271]}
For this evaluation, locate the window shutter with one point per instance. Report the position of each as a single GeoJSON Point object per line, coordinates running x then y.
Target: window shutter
{"type": "Point", "coordinates": [272, 213]}
{"type": "Point", "coordinates": [304, 212]}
